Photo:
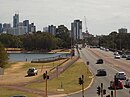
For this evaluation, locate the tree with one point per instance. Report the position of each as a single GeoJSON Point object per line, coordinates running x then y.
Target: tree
{"type": "Point", "coordinates": [3, 56]}
{"type": "Point", "coordinates": [64, 35]}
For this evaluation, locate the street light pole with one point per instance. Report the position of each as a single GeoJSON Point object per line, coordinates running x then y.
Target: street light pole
{"type": "Point", "coordinates": [83, 86]}
{"type": "Point", "coordinates": [46, 85]}
{"type": "Point", "coordinates": [101, 89]}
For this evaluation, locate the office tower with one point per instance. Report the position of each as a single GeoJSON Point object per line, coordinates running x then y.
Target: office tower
{"type": "Point", "coordinates": [15, 20]}
{"type": "Point", "coordinates": [76, 30]}
{"type": "Point", "coordinates": [52, 29]}
{"type": "Point", "coordinates": [122, 30]}
{"type": "Point", "coordinates": [0, 27]}
{"type": "Point", "coordinates": [6, 27]}
{"type": "Point", "coordinates": [26, 24]}
{"type": "Point", "coordinates": [32, 27]}
{"type": "Point", "coordinates": [19, 30]}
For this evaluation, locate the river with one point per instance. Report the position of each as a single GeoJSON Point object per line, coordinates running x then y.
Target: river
{"type": "Point", "coordinates": [14, 57]}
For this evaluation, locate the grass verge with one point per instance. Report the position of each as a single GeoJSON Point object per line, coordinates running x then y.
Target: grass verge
{"type": "Point", "coordinates": [68, 80]}
{"type": "Point", "coordinates": [9, 92]}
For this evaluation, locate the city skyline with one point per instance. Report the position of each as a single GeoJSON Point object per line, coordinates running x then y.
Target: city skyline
{"type": "Point", "coordinates": [102, 17]}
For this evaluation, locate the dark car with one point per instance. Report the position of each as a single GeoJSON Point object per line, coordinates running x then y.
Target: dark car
{"type": "Point", "coordinates": [32, 71]}
{"type": "Point", "coordinates": [128, 57]}
{"type": "Point", "coordinates": [124, 56]}
{"type": "Point", "coordinates": [19, 96]}
{"type": "Point", "coordinates": [101, 72]}
{"type": "Point", "coordinates": [99, 61]}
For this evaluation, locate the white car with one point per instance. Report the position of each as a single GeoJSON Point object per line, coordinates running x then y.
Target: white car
{"type": "Point", "coordinates": [117, 56]}
{"type": "Point", "coordinates": [121, 75]}
{"type": "Point", "coordinates": [32, 71]}
{"type": "Point", "coordinates": [127, 82]}
{"type": "Point", "coordinates": [116, 53]}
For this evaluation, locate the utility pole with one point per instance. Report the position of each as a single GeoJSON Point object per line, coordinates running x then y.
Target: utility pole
{"type": "Point", "coordinates": [115, 84]}
{"type": "Point", "coordinates": [101, 89]}
{"type": "Point", "coordinates": [111, 93]}
{"type": "Point", "coordinates": [83, 86]}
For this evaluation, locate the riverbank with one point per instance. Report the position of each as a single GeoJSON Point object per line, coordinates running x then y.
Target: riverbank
{"type": "Point", "coordinates": [18, 50]}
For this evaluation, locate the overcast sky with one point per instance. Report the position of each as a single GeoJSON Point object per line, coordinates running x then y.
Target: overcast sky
{"type": "Point", "coordinates": [102, 16]}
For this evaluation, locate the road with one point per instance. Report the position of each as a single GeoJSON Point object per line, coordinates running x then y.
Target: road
{"type": "Point", "coordinates": [111, 65]}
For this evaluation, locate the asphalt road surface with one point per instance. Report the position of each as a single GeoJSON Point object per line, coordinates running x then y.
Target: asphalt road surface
{"type": "Point", "coordinates": [111, 65]}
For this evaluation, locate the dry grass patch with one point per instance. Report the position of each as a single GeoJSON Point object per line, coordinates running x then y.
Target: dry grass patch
{"type": "Point", "coordinates": [9, 92]}
{"type": "Point", "coordinates": [17, 72]}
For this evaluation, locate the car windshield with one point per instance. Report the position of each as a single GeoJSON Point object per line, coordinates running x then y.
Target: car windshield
{"type": "Point", "coordinates": [31, 70]}
{"type": "Point", "coordinates": [121, 73]}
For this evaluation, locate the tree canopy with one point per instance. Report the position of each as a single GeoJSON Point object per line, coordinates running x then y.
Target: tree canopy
{"type": "Point", "coordinates": [3, 56]}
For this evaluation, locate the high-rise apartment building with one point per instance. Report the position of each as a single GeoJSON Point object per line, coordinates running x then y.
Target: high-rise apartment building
{"type": "Point", "coordinates": [15, 20]}
{"type": "Point", "coordinates": [0, 27]}
{"type": "Point", "coordinates": [32, 27]}
{"type": "Point", "coordinates": [6, 27]}
{"type": "Point", "coordinates": [26, 24]}
{"type": "Point", "coordinates": [52, 29]}
{"type": "Point", "coordinates": [122, 30]}
{"type": "Point", "coordinates": [76, 30]}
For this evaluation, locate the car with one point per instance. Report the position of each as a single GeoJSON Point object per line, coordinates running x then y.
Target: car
{"type": "Point", "coordinates": [128, 57]}
{"type": "Point", "coordinates": [99, 61]}
{"type": "Point", "coordinates": [121, 75]}
{"type": "Point", "coordinates": [101, 72]}
{"type": "Point", "coordinates": [124, 56]}
{"type": "Point", "coordinates": [116, 53]}
{"type": "Point", "coordinates": [32, 71]}
{"type": "Point", "coordinates": [80, 48]}
{"type": "Point", "coordinates": [127, 82]}
{"type": "Point", "coordinates": [106, 49]}
{"type": "Point", "coordinates": [117, 56]}
{"type": "Point", "coordinates": [112, 85]}
{"type": "Point", "coordinates": [19, 96]}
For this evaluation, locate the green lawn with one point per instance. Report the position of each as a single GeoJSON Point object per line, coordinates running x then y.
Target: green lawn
{"type": "Point", "coordinates": [67, 80]}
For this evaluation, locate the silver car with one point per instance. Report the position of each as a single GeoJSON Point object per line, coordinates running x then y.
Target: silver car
{"type": "Point", "coordinates": [121, 75]}
{"type": "Point", "coordinates": [127, 82]}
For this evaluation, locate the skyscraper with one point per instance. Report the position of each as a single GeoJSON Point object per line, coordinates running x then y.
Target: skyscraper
{"type": "Point", "coordinates": [6, 27]}
{"type": "Point", "coordinates": [52, 29]}
{"type": "Point", "coordinates": [32, 27]}
{"type": "Point", "coordinates": [26, 24]}
{"type": "Point", "coordinates": [15, 20]}
{"type": "Point", "coordinates": [122, 30]}
{"type": "Point", "coordinates": [0, 27]}
{"type": "Point", "coordinates": [76, 30]}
